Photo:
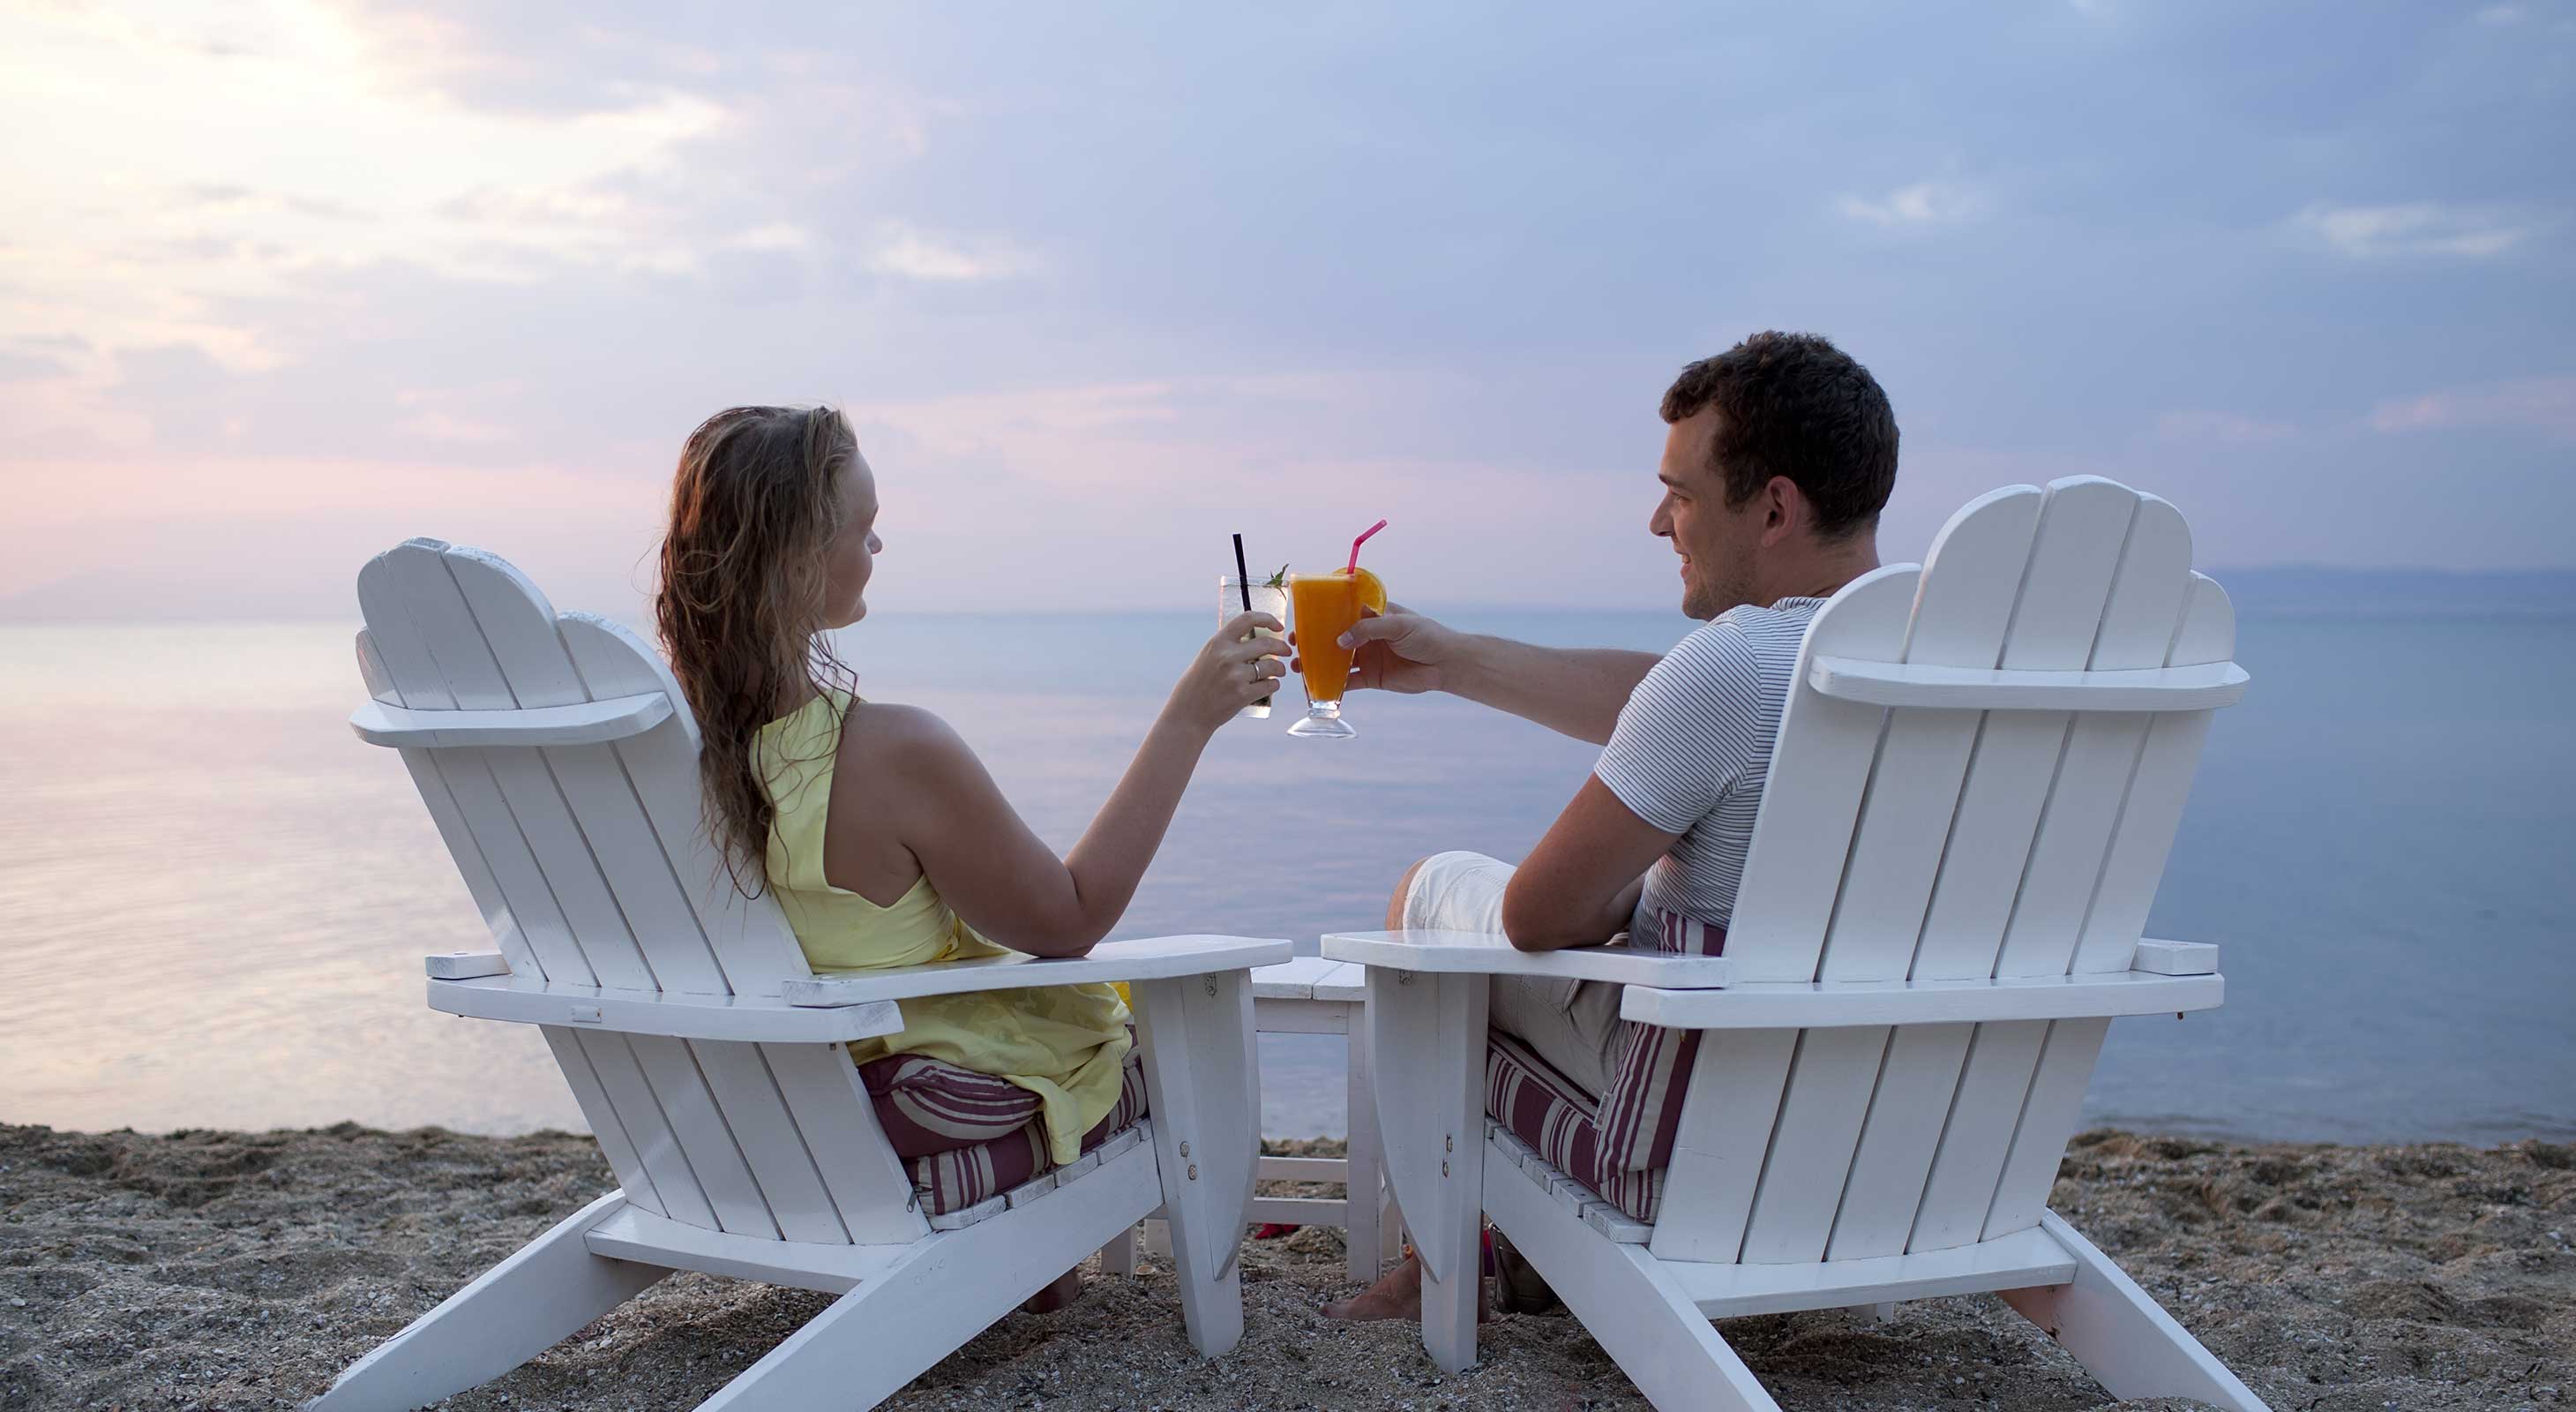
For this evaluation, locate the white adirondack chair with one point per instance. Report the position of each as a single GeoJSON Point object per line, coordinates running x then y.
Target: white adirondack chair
{"type": "Point", "coordinates": [1977, 781]}
{"type": "Point", "coordinates": [560, 762]}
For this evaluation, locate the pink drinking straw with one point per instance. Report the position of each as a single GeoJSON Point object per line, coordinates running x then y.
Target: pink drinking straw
{"type": "Point", "coordinates": [1354, 564]}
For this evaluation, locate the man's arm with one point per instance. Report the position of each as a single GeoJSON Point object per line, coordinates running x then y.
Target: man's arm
{"type": "Point", "coordinates": [1581, 883]}
{"type": "Point", "coordinates": [1669, 763]}
{"type": "Point", "coordinates": [1575, 690]}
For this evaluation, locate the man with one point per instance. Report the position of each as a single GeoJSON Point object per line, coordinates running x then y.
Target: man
{"type": "Point", "coordinates": [1779, 455]}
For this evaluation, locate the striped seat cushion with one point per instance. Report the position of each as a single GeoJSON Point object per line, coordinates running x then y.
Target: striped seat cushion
{"type": "Point", "coordinates": [958, 1177]}
{"type": "Point", "coordinates": [1546, 1110]}
{"type": "Point", "coordinates": [929, 1105]}
{"type": "Point", "coordinates": [1619, 1144]}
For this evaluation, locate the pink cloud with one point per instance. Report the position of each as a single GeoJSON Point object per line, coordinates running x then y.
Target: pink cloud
{"type": "Point", "coordinates": [2544, 404]}
{"type": "Point", "coordinates": [2226, 427]}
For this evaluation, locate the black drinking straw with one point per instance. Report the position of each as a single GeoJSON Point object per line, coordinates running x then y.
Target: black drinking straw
{"type": "Point", "coordinates": [1243, 585]}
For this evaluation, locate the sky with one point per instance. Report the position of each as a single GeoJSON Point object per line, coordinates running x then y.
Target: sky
{"type": "Point", "coordinates": [284, 282]}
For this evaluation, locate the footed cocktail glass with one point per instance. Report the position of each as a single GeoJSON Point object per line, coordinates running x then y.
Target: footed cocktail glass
{"type": "Point", "coordinates": [1325, 606]}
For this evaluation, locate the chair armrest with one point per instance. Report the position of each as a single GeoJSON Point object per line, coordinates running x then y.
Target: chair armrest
{"type": "Point", "coordinates": [1146, 959]}
{"type": "Point", "coordinates": [1492, 954]}
{"type": "Point", "coordinates": [2175, 958]}
{"type": "Point", "coordinates": [760, 1019]}
{"type": "Point", "coordinates": [581, 723]}
{"type": "Point", "coordinates": [2200, 688]}
{"type": "Point", "coordinates": [1780, 1005]}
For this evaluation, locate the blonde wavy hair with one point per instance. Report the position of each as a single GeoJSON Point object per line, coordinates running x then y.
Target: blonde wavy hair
{"type": "Point", "coordinates": [754, 503]}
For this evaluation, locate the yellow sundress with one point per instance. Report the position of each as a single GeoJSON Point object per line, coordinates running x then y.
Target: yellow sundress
{"type": "Point", "coordinates": [1064, 1043]}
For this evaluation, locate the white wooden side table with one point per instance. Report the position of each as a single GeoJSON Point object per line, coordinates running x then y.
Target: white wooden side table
{"type": "Point", "coordinates": [1315, 995]}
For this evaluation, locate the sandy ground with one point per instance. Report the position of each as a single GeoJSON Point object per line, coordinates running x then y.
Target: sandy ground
{"type": "Point", "coordinates": [243, 1270]}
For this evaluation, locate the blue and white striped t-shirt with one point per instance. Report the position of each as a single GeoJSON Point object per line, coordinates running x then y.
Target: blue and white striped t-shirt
{"type": "Point", "coordinates": [1693, 749]}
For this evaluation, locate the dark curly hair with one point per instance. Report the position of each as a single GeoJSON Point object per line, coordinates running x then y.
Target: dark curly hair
{"type": "Point", "coordinates": [1792, 404]}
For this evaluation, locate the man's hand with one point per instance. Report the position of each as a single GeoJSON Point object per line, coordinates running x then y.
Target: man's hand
{"type": "Point", "coordinates": [1399, 650]}
{"type": "Point", "coordinates": [1576, 690]}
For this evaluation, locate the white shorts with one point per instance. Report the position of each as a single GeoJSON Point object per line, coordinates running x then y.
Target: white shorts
{"type": "Point", "coordinates": [1570, 1024]}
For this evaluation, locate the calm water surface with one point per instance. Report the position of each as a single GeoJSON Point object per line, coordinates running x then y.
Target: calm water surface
{"type": "Point", "coordinates": [213, 899]}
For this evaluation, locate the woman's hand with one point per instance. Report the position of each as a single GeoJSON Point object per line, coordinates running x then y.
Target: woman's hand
{"type": "Point", "coordinates": [1232, 672]}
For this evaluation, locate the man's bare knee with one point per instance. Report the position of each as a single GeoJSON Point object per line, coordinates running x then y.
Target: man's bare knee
{"type": "Point", "coordinates": [1403, 889]}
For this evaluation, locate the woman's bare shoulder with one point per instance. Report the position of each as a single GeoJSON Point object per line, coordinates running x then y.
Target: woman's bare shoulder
{"type": "Point", "coordinates": [885, 738]}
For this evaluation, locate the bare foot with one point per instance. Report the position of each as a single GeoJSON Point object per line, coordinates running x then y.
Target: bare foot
{"type": "Point", "coordinates": [1066, 1289]}
{"type": "Point", "coordinates": [1396, 1296]}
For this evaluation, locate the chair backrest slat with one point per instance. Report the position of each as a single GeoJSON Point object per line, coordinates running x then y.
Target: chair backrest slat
{"type": "Point", "coordinates": [771, 1145]}
{"type": "Point", "coordinates": [750, 938]}
{"type": "Point", "coordinates": [1948, 844]}
{"type": "Point", "coordinates": [2101, 749]}
{"type": "Point", "coordinates": [501, 652]}
{"type": "Point", "coordinates": [657, 1144]}
{"type": "Point", "coordinates": [1830, 747]}
{"type": "Point", "coordinates": [2015, 905]}
{"type": "Point", "coordinates": [2051, 1105]}
{"type": "Point", "coordinates": [401, 591]}
{"type": "Point", "coordinates": [1906, 1115]}
{"type": "Point", "coordinates": [1963, 605]}
{"type": "Point", "coordinates": [1793, 868]}
{"type": "Point", "coordinates": [1961, 608]}
{"type": "Point", "coordinates": [654, 921]}
{"type": "Point", "coordinates": [1736, 1084]}
{"type": "Point", "coordinates": [2073, 556]}
{"type": "Point", "coordinates": [2135, 863]}
{"type": "Point", "coordinates": [704, 1136]}
{"type": "Point", "coordinates": [593, 866]}
{"type": "Point", "coordinates": [480, 881]}
{"type": "Point", "coordinates": [606, 1123]}
{"type": "Point", "coordinates": [1821, 1112]}
{"type": "Point", "coordinates": [869, 1186]}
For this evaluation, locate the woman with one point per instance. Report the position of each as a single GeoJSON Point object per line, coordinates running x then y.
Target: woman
{"type": "Point", "coordinates": [881, 834]}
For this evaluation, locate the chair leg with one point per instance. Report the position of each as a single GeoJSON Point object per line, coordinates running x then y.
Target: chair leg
{"type": "Point", "coordinates": [873, 1340]}
{"type": "Point", "coordinates": [2130, 1345]}
{"type": "Point", "coordinates": [928, 1300]}
{"type": "Point", "coordinates": [1361, 1242]}
{"type": "Point", "coordinates": [1118, 1257]}
{"type": "Point", "coordinates": [511, 1313]}
{"type": "Point", "coordinates": [1211, 1305]}
{"type": "Point", "coordinates": [1430, 1029]}
{"type": "Point", "coordinates": [1449, 1301]}
{"type": "Point", "coordinates": [1203, 1089]}
{"type": "Point", "coordinates": [1628, 1302]}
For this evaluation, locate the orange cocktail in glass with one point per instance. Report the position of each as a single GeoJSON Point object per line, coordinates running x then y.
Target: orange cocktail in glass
{"type": "Point", "coordinates": [1325, 606]}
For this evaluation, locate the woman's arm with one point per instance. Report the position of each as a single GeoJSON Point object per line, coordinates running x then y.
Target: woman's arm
{"type": "Point", "coordinates": [983, 857]}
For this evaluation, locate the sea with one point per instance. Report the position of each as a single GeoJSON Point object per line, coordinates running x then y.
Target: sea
{"type": "Point", "coordinates": [214, 898]}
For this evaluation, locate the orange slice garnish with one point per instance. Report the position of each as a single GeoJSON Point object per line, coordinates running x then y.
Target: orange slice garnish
{"type": "Point", "coordinates": [1372, 592]}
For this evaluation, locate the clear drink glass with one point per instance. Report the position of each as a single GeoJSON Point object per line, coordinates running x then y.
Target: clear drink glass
{"type": "Point", "coordinates": [1229, 606]}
